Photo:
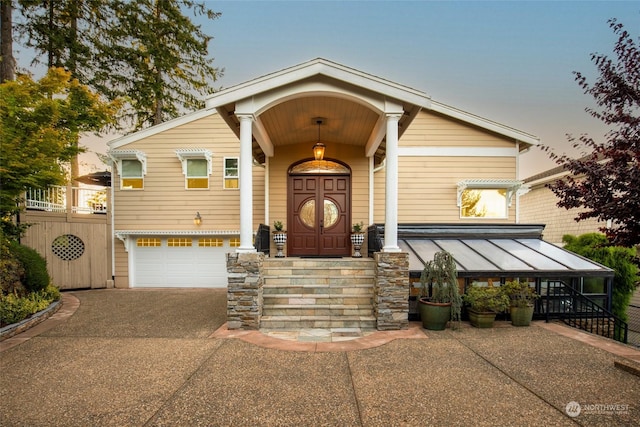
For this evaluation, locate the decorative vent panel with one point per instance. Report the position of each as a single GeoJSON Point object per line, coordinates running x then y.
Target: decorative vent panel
{"type": "Point", "coordinates": [68, 247]}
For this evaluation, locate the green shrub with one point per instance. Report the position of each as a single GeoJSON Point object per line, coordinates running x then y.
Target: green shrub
{"type": "Point", "coordinates": [597, 248]}
{"type": "Point", "coordinates": [11, 270]}
{"type": "Point", "coordinates": [14, 308]}
{"type": "Point", "coordinates": [36, 277]}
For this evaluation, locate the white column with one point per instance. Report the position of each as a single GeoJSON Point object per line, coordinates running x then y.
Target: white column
{"type": "Point", "coordinates": [391, 186]}
{"type": "Point", "coordinates": [246, 184]}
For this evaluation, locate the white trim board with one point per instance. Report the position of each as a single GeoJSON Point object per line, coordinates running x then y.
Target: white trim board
{"type": "Point", "coordinates": [457, 152]}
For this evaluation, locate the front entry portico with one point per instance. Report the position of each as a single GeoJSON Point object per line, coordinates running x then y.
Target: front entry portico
{"type": "Point", "coordinates": [319, 211]}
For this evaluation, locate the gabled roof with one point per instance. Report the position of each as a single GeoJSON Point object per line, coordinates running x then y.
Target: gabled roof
{"type": "Point", "coordinates": [385, 91]}
{"type": "Point", "coordinates": [315, 67]}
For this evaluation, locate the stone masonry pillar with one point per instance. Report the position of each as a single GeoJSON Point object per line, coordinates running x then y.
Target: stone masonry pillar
{"type": "Point", "coordinates": [391, 292]}
{"type": "Point", "coordinates": [244, 290]}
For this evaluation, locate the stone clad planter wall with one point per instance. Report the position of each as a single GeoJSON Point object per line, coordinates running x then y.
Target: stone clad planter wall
{"type": "Point", "coordinates": [391, 292]}
{"type": "Point", "coordinates": [244, 290]}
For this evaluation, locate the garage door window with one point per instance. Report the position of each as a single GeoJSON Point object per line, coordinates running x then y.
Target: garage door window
{"type": "Point", "coordinates": [234, 242]}
{"type": "Point", "coordinates": [147, 242]}
{"type": "Point", "coordinates": [210, 242]}
{"type": "Point", "coordinates": [178, 242]}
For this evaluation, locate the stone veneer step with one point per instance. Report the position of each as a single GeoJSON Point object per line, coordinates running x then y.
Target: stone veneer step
{"type": "Point", "coordinates": [318, 293]}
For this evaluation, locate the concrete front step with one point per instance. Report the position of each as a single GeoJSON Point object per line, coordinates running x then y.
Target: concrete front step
{"type": "Point", "coordinates": [297, 322]}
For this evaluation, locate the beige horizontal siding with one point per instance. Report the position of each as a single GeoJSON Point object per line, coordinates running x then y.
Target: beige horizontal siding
{"type": "Point", "coordinates": [121, 265]}
{"type": "Point", "coordinates": [165, 203]}
{"type": "Point", "coordinates": [432, 129]}
{"type": "Point", "coordinates": [427, 186]}
{"type": "Point", "coordinates": [539, 206]}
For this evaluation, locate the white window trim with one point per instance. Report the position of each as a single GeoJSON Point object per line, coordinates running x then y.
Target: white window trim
{"type": "Point", "coordinates": [224, 172]}
{"type": "Point", "coordinates": [511, 185]}
{"type": "Point", "coordinates": [194, 153]}
{"type": "Point", "coordinates": [185, 154]}
{"type": "Point", "coordinates": [119, 155]}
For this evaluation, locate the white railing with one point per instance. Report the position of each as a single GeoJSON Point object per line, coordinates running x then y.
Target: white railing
{"type": "Point", "coordinates": [54, 199]}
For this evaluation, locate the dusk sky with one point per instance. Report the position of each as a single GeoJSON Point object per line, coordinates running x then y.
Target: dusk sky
{"type": "Point", "coordinates": [510, 61]}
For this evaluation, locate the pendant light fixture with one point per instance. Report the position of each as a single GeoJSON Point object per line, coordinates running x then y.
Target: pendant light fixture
{"type": "Point", "coordinates": [318, 148]}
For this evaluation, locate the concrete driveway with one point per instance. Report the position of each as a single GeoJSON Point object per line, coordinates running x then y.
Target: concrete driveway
{"type": "Point", "coordinates": [150, 357]}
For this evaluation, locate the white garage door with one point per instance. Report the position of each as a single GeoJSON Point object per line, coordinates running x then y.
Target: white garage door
{"type": "Point", "coordinates": [185, 262]}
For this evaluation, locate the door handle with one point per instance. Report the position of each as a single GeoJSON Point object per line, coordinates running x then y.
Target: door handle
{"type": "Point", "coordinates": [321, 226]}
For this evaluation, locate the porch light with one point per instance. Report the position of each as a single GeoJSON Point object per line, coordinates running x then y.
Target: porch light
{"type": "Point", "coordinates": [198, 219]}
{"type": "Point", "coordinates": [318, 148]}
{"type": "Point", "coordinates": [318, 151]}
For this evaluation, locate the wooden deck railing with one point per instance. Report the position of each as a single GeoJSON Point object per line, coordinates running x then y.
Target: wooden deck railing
{"type": "Point", "coordinates": [55, 199]}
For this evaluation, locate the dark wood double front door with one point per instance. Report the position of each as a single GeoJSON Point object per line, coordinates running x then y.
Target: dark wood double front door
{"type": "Point", "coordinates": [319, 215]}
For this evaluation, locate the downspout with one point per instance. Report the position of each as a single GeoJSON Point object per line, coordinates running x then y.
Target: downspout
{"type": "Point", "coordinates": [113, 227]}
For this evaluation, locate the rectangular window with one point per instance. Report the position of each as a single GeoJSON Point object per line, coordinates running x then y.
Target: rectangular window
{"type": "Point", "coordinates": [178, 242]}
{"type": "Point", "coordinates": [231, 172]}
{"type": "Point", "coordinates": [148, 242]}
{"type": "Point", "coordinates": [234, 242]}
{"type": "Point", "coordinates": [484, 203]}
{"type": "Point", "coordinates": [210, 242]}
{"type": "Point", "coordinates": [197, 174]}
{"type": "Point", "coordinates": [131, 177]}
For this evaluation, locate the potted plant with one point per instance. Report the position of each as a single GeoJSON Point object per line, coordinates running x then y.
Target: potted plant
{"type": "Point", "coordinates": [357, 239]}
{"type": "Point", "coordinates": [521, 300]}
{"type": "Point", "coordinates": [484, 303]}
{"type": "Point", "coordinates": [279, 238]}
{"type": "Point", "coordinates": [439, 299]}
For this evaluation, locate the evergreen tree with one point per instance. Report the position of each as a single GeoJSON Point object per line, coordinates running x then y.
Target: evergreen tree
{"type": "Point", "coordinates": [65, 31]}
{"type": "Point", "coordinates": [156, 58]}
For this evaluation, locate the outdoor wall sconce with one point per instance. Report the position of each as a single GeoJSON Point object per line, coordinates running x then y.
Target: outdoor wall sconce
{"type": "Point", "coordinates": [318, 148]}
{"type": "Point", "coordinates": [198, 219]}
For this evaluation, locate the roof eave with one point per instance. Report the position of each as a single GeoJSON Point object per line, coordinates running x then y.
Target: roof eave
{"type": "Point", "coordinates": [153, 130]}
{"type": "Point", "coordinates": [312, 68]}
